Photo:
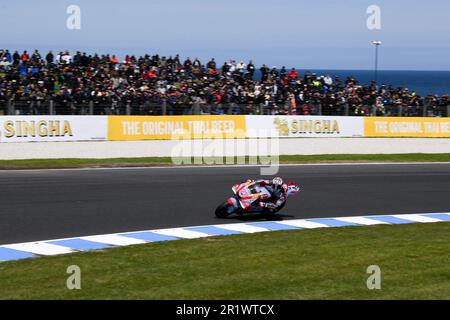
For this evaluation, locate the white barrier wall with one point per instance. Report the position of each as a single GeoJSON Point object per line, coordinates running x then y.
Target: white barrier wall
{"type": "Point", "coordinates": [165, 148]}
{"type": "Point", "coordinates": [53, 128]}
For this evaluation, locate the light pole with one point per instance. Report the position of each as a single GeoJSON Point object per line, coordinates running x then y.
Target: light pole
{"type": "Point", "coordinates": [376, 43]}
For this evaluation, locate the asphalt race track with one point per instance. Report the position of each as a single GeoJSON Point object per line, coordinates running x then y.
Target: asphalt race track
{"type": "Point", "coordinates": [51, 204]}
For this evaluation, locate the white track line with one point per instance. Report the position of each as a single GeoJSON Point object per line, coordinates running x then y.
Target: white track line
{"type": "Point", "coordinates": [416, 218]}
{"type": "Point", "coordinates": [114, 239]}
{"type": "Point", "coordinates": [303, 224]}
{"type": "Point", "coordinates": [181, 233]}
{"type": "Point", "coordinates": [40, 248]}
{"type": "Point", "coordinates": [241, 227]}
{"type": "Point", "coordinates": [236, 166]}
{"type": "Point", "coordinates": [361, 220]}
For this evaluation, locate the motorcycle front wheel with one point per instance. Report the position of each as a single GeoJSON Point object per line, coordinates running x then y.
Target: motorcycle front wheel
{"type": "Point", "coordinates": [222, 210]}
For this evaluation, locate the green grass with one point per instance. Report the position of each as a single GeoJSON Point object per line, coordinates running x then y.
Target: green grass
{"type": "Point", "coordinates": [325, 263]}
{"type": "Point", "coordinates": [158, 161]}
{"type": "Point", "coordinates": [82, 163]}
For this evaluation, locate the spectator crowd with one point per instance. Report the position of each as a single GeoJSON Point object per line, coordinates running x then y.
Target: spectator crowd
{"type": "Point", "coordinates": [154, 84]}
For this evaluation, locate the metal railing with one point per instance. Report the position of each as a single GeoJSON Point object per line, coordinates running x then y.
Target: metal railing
{"type": "Point", "coordinates": [51, 107]}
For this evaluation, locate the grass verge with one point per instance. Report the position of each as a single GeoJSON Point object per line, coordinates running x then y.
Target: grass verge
{"type": "Point", "coordinates": [159, 161]}
{"type": "Point", "coordinates": [328, 263]}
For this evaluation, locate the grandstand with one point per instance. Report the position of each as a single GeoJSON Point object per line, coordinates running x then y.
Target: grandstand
{"type": "Point", "coordinates": [82, 84]}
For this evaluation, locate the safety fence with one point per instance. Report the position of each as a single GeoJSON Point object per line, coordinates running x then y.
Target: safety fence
{"type": "Point", "coordinates": [165, 107]}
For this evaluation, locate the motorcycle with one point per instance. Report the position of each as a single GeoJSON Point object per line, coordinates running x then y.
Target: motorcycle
{"type": "Point", "coordinates": [246, 194]}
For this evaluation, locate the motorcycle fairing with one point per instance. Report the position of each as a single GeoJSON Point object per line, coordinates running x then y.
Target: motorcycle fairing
{"type": "Point", "coordinates": [248, 193]}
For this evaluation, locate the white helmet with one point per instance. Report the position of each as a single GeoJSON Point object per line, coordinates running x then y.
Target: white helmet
{"type": "Point", "coordinates": [277, 183]}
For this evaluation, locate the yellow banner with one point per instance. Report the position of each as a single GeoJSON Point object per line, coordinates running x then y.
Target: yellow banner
{"type": "Point", "coordinates": [175, 127]}
{"type": "Point", "coordinates": [406, 127]}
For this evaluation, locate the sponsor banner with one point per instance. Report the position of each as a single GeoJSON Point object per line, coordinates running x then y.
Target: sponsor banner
{"type": "Point", "coordinates": [175, 127]}
{"type": "Point", "coordinates": [304, 126]}
{"type": "Point", "coordinates": [52, 128]}
{"type": "Point", "coordinates": [407, 127]}
{"type": "Point", "coordinates": [126, 128]}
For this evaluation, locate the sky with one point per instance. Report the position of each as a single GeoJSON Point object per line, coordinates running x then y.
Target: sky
{"type": "Point", "coordinates": [326, 34]}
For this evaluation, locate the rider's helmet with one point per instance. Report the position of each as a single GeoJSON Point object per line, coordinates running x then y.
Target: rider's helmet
{"type": "Point", "coordinates": [277, 184]}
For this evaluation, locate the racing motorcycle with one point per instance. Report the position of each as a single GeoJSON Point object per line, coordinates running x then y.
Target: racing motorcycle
{"type": "Point", "coordinates": [247, 194]}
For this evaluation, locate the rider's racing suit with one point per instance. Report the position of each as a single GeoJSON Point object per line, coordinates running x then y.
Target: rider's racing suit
{"type": "Point", "coordinates": [274, 201]}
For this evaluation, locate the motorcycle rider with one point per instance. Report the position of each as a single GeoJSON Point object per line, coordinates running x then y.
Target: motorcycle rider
{"type": "Point", "coordinates": [278, 194]}
{"type": "Point", "coordinates": [257, 196]}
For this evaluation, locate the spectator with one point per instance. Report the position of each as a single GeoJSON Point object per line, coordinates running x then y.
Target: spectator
{"type": "Point", "coordinates": [250, 69]}
{"type": "Point", "coordinates": [4, 64]}
{"type": "Point", "coordinates": [49, 58]}
{"type": "Point", "coordinates": [293, 75]}
{"type": "Point", "coordinates": [16, 58]}
{"type": "Point", "coordinates": [264, 72]}
{"type": "Point", "coordinates": [25, 57]}
{"type": "Point", "coordinates": [144, 83]}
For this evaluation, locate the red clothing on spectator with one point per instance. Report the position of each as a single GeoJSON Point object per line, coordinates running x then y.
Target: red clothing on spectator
{"type": "Point", "coordinates": [292, 75]}
{"type": "Point", "coordinates": [214, 72]}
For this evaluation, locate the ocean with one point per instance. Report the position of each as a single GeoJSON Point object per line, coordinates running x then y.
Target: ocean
{"type": "Point", "coordinates": [423, 82]}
